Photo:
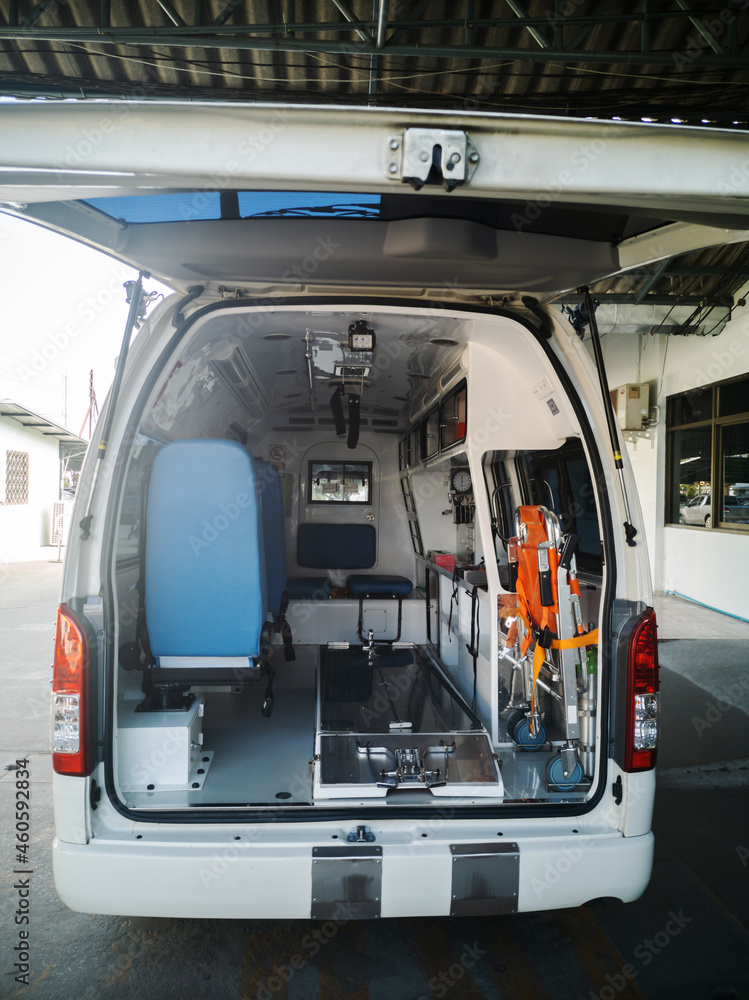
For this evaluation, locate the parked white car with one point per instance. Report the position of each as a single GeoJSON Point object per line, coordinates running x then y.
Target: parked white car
{"type": "Point", "coordinates": [698, 510]}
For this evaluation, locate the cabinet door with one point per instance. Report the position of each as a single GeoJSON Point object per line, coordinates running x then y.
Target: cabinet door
{"type": "Point", "coordinates": [432, 433]}
{"type": "Point", "coordinates": [453, 418]}
{"type": "Point", "coordinates": [414, 446]}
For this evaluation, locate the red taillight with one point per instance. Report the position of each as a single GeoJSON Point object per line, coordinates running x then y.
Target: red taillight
{"type": "Point", "coordinates": [641, 741]}
{"type": "Point", "coordinates": [69, 697]}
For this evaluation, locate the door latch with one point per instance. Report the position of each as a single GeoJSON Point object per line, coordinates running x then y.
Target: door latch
{"type": "Point", "coordinates": [361, 835]}
{"type": "Point", "coordinates": [416, 152]}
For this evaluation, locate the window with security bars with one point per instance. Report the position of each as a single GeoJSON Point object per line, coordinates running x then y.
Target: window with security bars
{"type": "Point", "coordinates": [16, 477]}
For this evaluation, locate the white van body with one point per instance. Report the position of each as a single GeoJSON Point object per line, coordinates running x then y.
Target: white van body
{"type": "Point", "coordinates": [188, 798]}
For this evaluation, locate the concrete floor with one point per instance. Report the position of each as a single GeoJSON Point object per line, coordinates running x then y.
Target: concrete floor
{"type": "Point", "coordinates": [682, 619]}
{"type": "Point", "coordinates": [686, 939]}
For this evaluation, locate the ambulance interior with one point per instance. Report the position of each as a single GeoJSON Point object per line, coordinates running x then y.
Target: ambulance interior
{"type": "Point", "coordinates": [316, 561]}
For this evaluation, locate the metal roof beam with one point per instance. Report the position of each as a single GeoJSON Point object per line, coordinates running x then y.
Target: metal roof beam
{"type": "Point", "coordinates": [227, 12]}
{"type": "Point", "coordinates": [41, 8]}
{"type": "Point", "coordinates": [653, 299]}
{"type": "Point", "coordinates": [382, 23]}
{"type": "Point", "coordinates": [685, 271]}
{"type": "Point", "coordinates": [469, 29]}
{"type": "Point", "coordinates": [601, 18]}
{"type": "Point", "coordinates": [238, 39]}
{"type": "Point", "coordinates": [700, 26]}
{"type": "Point", "coordinates": [519, 11]}
{"type": "Point", "coordinates": [645, 287]}
{"type": "Point", "coordinates": [415, 14]}
{"type": "Point", "coordinates": [171, 13]}
{"type": "Point", "coordinates": [349, 15]}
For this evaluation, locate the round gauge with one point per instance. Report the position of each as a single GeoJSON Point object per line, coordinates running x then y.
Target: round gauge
{"type": "Point", "coordinates": [461, 481]}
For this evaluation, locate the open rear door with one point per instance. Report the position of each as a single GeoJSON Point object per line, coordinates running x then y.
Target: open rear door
{"type": "Point", "coordinates": [262, 197]}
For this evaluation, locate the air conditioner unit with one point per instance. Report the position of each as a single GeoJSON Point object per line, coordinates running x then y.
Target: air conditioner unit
{"type": "Point", "coordinates": [631, 404]}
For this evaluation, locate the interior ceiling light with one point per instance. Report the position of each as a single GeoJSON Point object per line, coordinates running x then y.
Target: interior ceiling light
{"type": "Point", "coordinates": [361, 336]}
{"type": "Point", "coordinates": [444, 342]}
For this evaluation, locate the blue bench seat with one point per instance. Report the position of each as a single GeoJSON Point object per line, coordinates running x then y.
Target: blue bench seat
{"type": "Point", "coordinates": [373, 584]}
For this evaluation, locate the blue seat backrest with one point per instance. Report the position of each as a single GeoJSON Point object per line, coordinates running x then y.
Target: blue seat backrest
{"type": "Point", "coordinates": [205, 563]}
{"type": "Point", "coordinates": [336, 546]}
{"type": "Point", "coordinates": [274, 532]}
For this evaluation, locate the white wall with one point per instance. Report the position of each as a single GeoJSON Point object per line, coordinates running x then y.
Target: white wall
{"type": "Point", "coordinates": [707, 566]}
{"type": "Point", "coordinates": [25, 527]}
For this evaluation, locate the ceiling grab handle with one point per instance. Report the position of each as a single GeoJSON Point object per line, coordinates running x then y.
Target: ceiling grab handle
{"type": "Point", "coordinates": [308, 340]}
{"type": "Point", "coordinates": [353, 421]}
{"type": "Point", "coordinates": [134, 295]}
{"type": "Point", "coordinates": [336, 406]}
{"type": "Point", "coordinates": [629, 529]}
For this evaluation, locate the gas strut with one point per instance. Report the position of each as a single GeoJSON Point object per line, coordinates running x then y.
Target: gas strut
{"type": "Point", "coordinates": [134, 295]}
{"type": "Point", "coordinates": [629, 529]}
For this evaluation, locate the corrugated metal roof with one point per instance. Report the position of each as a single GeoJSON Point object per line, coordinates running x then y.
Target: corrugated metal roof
{"type": "Point", "coordinates": [661, 58]}
{"type": "Point", "coordinates": [27, 418]}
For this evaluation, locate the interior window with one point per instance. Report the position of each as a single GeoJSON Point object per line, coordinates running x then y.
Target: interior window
{"type": "Point", "coordinates": [340, 482]}
{"type": "Point", "coordinates": [561, 481]}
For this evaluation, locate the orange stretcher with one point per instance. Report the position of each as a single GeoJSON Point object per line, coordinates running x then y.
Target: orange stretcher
{"type": "Point", "coordinates": [547, 634]}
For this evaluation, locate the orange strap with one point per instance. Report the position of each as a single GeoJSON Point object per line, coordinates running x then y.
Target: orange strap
{"type": "Point", "coordinates": [539, 655]}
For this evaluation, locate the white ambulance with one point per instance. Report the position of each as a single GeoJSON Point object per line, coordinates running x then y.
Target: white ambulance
{"type": "Point", "coordinates": [356, 613]}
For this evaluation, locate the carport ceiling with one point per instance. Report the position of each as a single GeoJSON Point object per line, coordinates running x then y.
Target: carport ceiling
{"type": "Point", "coordinates": [633, 58]}
{"type": "Point", "coordinates": [660, 60]}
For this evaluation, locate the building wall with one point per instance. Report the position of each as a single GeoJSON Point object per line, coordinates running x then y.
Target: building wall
{"type": "Point", "coordinates": [707, 566]}
{"type": "Point", "coordinates": [24, 528]}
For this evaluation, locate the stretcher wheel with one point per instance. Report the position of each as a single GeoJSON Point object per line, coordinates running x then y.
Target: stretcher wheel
{"type": "Point", "coordinates": [523, 736]}
{"type": "Point", "coordinates": [555, 773]}
{"type": "Point", "coordinates": [512, 720]}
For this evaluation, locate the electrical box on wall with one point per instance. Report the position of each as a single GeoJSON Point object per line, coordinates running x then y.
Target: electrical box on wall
{"type": "Point", "coordinates": [631, 404]}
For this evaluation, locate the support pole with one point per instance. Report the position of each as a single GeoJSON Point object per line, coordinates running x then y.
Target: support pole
{"type": "Point", "coordinates": [135, 292]}
{"type": "Point", "coordinates": [629, 529]}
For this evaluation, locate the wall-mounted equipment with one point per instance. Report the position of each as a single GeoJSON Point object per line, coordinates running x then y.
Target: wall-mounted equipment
{"type": "Point", "coordinates": [631, 404]}
{"type": "Point", "coordinates": [236, 372]}
{"type": "Point", "coordinates": [461, 496]}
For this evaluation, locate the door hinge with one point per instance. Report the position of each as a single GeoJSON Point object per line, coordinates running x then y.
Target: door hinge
{"type": "Point", "coordinates": [416, 152]}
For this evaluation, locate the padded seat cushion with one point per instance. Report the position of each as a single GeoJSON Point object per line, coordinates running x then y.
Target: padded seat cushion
{"type": "Point", "coordinates": [336, 546]}
{"type": "Point", "coordinates": [313, 588]}
{"type": "Point", "coordinates": [371, 583]}
{"type": "Point", "coordinates": [274, 532]}
{"type": "Point", "coordinates": [205, 562]}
